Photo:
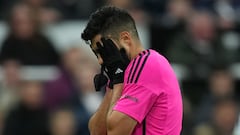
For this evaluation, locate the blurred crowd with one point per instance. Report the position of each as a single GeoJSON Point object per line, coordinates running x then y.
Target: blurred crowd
{"type": "Point", "coordinates": [201, 36]}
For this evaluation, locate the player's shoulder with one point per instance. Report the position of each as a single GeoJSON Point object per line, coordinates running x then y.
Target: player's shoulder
{"type": "Point", "coordinates": [155, 56]}
{"type": "Point", "coordinates": [143, 65]}
{"type": "Point", "coordinates": [150, 59]}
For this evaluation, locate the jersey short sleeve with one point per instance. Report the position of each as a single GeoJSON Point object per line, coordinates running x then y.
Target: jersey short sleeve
{"type": "Point", "coordinates": [135, 102]}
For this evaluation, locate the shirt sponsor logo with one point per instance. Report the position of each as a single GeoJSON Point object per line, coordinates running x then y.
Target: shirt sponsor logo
{"type": "Point", "coordinates": [129, 97]}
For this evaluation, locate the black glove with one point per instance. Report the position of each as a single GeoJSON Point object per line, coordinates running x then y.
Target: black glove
{"type": "Point", "coordinates": [115, 60]}
{"type": "Point", "coordinates": [100, 80]}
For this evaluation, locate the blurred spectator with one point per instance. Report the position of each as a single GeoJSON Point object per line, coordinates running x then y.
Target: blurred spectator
{"type": "Point", "coordinates": [227, 9]}
{"type": "Point", "coordinates": [165, 28]}
{"type": "Point", "coordinates": [9, 87]}
{"type": "Point", "coordinates": [231, 44]}
{"type": "Point", "coordinates": [155, 8]}
{"type": "Point", "coordinates": [221, 86]}
{"type": "Point", "coordinates": [87, 100]}
{"type": "Point", "coordinates": [226, 14]}
{"type": "Point", "coordinates": [203, 129]}
{"type": "Point", "coordinates": [4, 7]}
{"type": "Point", "coordinates": [199, 48]}
{"type": "Point", "coordinates": [222, 121]}
{"type": "Point", "coordinates": [237, 126]}
{"type": "Point", "coordinates": [125, 4]}
{"type": "Point", "coordinates": [132, 7]}
{"type": "Point", "coordinates": [75, 86]}
{"type": "Point", "coordinates": [11, 73]}
{"type": "Point", "coordinates": [25, 43]}
{"type": "Point", "coordinates": [1, 122]}
{"type": "Point", "coordinates": [225, 116]}
{"type": "Point", "coordinates": [29, 117]}
{"type": "Point", "coordinates": [60, 91]}
{"type": "Point", "coordinates": [178, 9]}
{"type": "Point", "coordinates": [76, 9]}
{"type": "Point", "coordinates": [86, 90]}
{"type": "Point", "coordinates": [187, 117]}
{"type": "Point", "coordinates": [62, 122]}
{"type": "Point", "coordinates": [204, 4]}
{"type": "Point", "coordinates": [228, 28]}
{"type": "Point", "coordinates": [43, 10]}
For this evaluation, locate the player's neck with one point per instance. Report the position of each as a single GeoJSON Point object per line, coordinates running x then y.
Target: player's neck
{"type": "Point", "coordinates": [136, 50]}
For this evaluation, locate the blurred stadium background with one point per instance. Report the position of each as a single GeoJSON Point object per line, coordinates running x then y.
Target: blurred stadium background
{"type": "Point", "coordinates": [46, 72]}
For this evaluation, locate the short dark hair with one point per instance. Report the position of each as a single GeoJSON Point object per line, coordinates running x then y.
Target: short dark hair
{"type": "Point", "coordinates": [109, 20]}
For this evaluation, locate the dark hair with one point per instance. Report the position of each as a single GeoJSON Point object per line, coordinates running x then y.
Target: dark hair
{"type": "Point", "coordinates": [109, 20]}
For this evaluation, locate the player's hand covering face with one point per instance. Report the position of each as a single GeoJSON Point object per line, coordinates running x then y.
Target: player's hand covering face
{"type": "Point", "coordinates": [114, 60]}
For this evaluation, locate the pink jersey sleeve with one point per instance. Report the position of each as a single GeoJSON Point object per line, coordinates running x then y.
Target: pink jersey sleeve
{"type": "Point", "coordinates": [134, 103]}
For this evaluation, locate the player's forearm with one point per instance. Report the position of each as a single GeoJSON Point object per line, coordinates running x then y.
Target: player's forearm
{"type": "Point", "coordinates": [111, 123]}
{"type": "Point", "coordinates": [95, 127]}
{"type": "Point", "coordinates": [116, 94]}
{"type": "Point", "coordinates": [97, 123]}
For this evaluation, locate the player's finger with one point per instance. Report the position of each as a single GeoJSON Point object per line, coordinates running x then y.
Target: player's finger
{"type": "Point", "coordinates": [111, 44]}
{"type": "Point", "coordinates": [103, 40]}
{"type": "Point", "coordinates": [99, 48]}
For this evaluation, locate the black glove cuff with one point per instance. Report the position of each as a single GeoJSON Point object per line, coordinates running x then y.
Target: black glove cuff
{"type": "Point", "coordinates": [117, 81]}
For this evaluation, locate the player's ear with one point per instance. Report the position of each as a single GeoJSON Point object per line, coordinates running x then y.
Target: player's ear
{"type": "Point", "coordinates": [125, 39]}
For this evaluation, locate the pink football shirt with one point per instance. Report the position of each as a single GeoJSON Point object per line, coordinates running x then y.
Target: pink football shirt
{"type": "Point", "coordinates": [151, 95]}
